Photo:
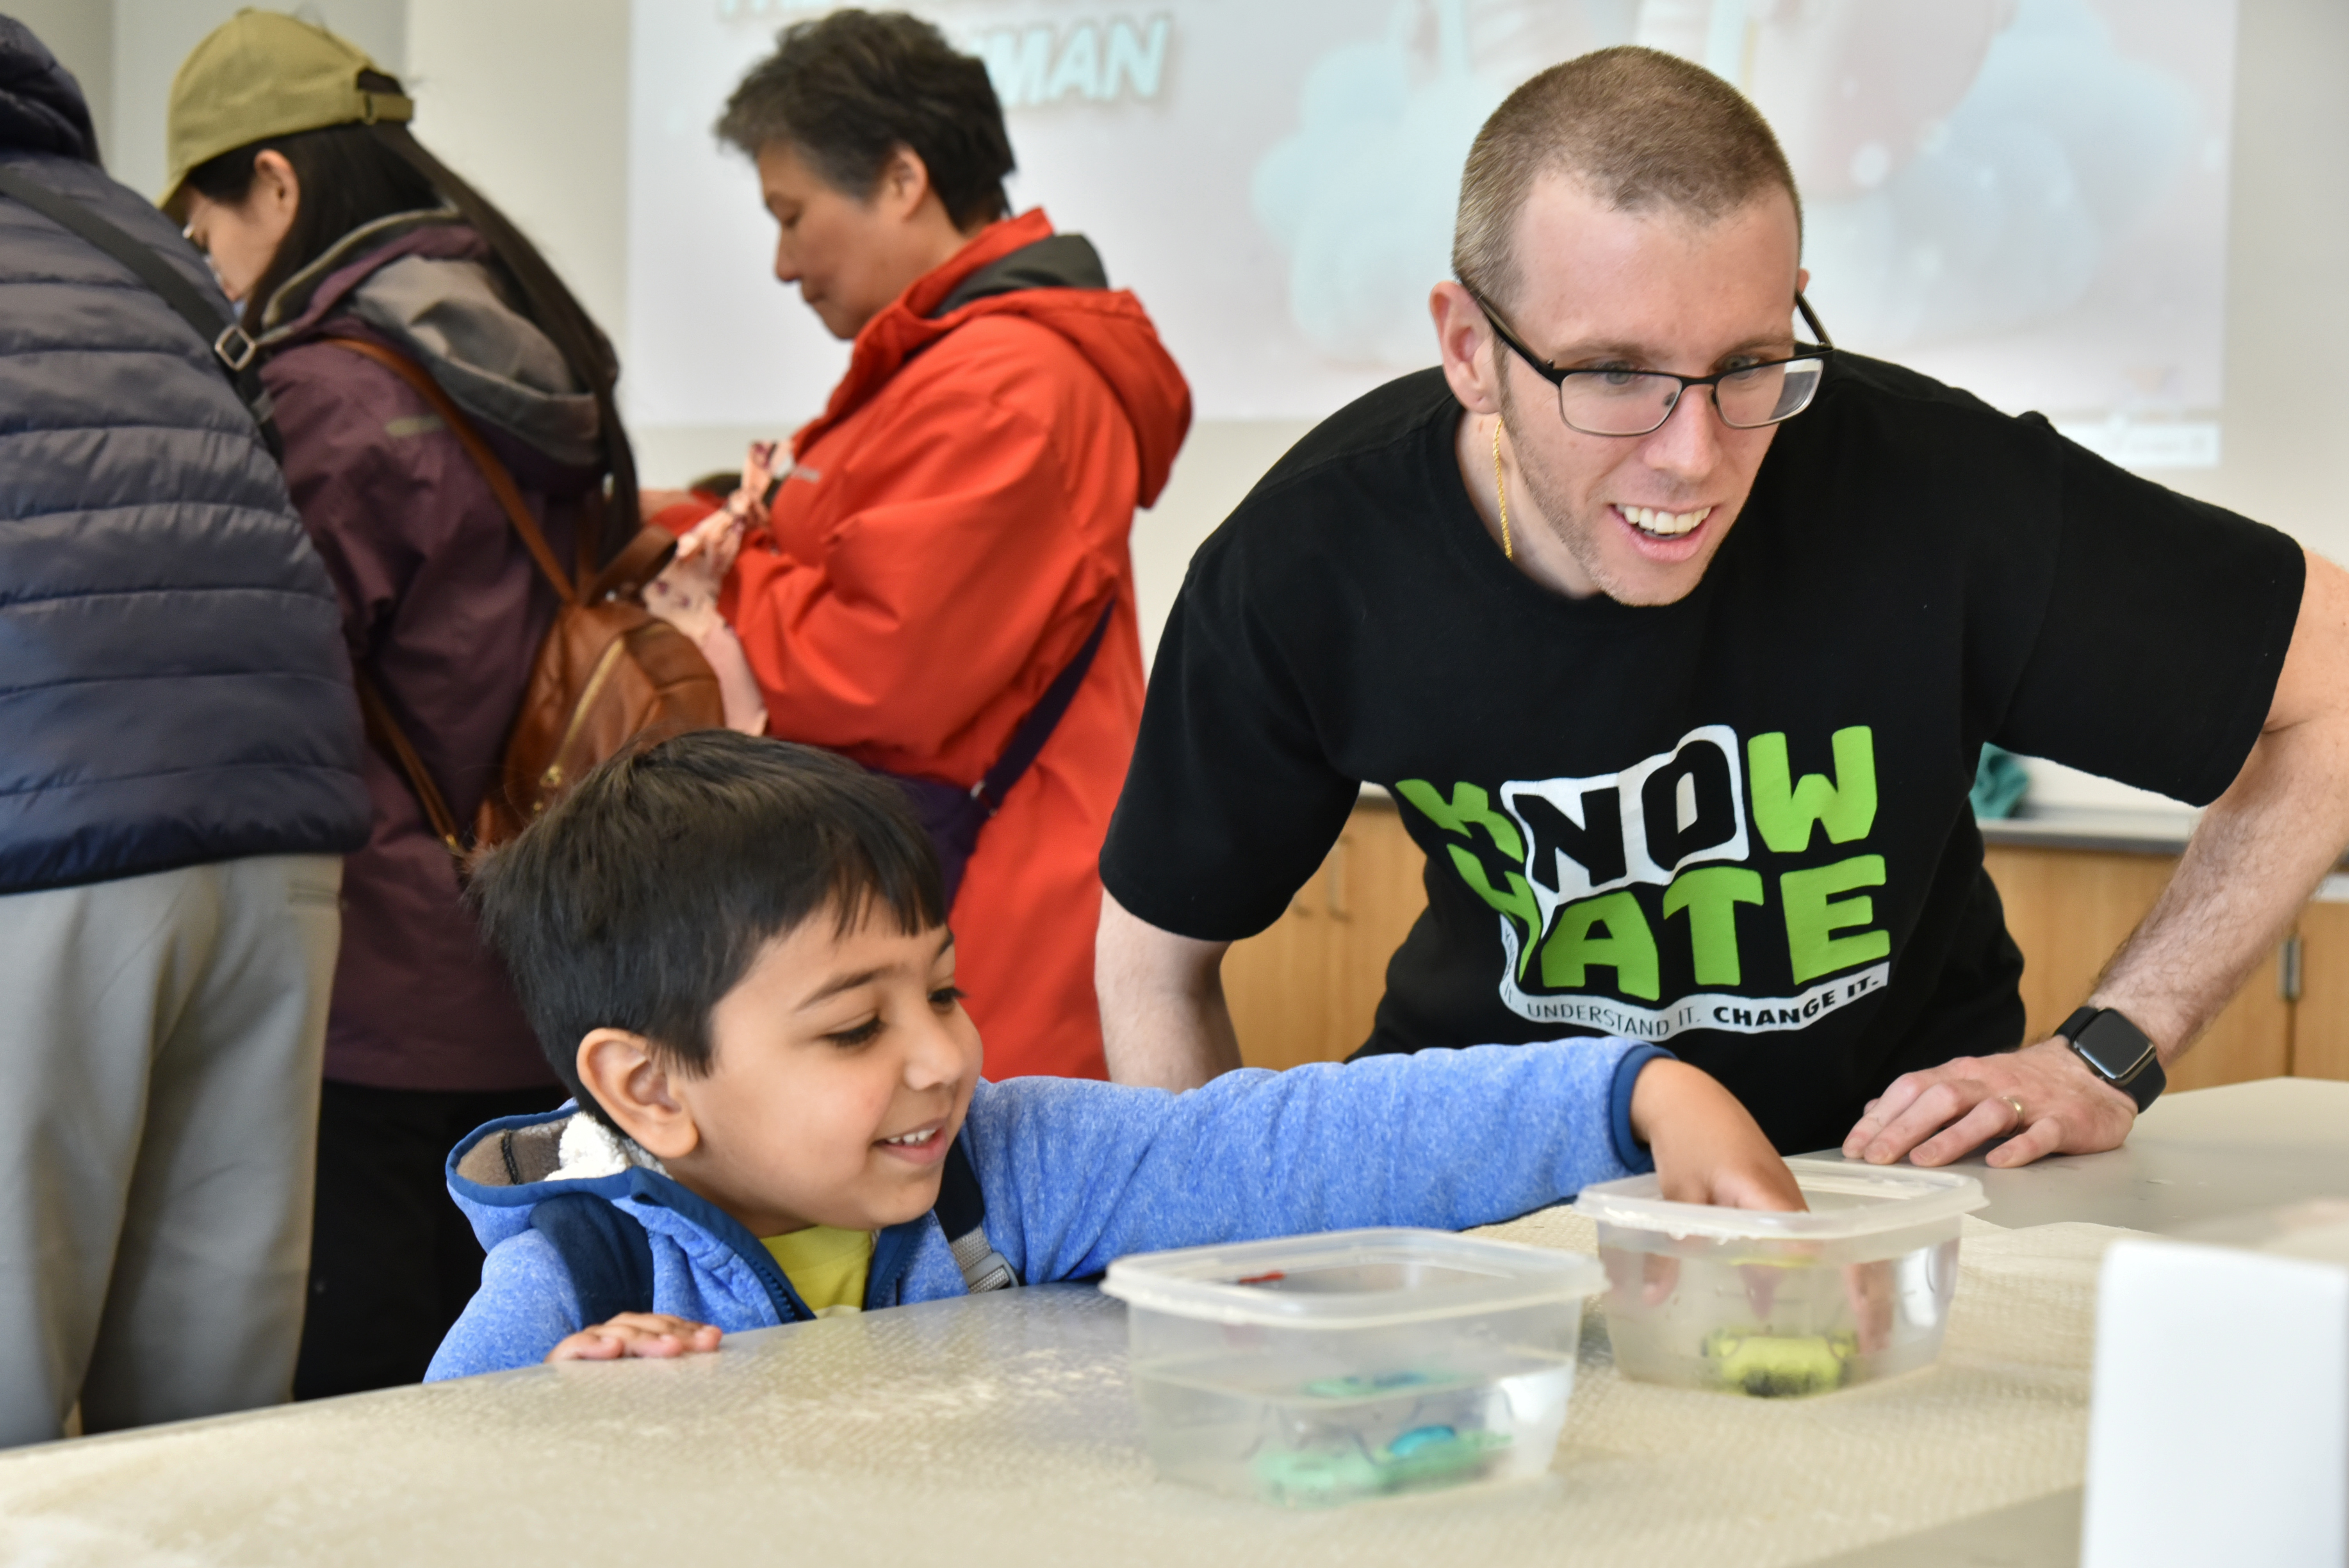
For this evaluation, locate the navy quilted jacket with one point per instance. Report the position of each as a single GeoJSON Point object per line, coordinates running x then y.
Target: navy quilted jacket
{"type": "Point", "coordinates": [173, 685]}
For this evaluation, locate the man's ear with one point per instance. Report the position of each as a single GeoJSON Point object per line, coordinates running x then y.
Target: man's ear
{"type": "Point", "coordinates": [1470, 351]}
{"type": "Point", "coordinates": [629, 1081]}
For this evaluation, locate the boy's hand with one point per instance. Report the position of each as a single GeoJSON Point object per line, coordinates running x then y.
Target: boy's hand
{"type": "Point", "coordinates": [1707, 1147]}
{"type": "Point", "coordinates": [648, 1334]}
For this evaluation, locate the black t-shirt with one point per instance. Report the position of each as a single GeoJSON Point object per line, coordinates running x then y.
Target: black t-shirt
{"type": "Point", "coordinates": [1737, 824]}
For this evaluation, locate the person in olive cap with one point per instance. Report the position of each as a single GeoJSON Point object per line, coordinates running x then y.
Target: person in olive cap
{"type": "Point", "coordinates": [179, 778]}
{"type": "Point", "coordinates": [292, 165]}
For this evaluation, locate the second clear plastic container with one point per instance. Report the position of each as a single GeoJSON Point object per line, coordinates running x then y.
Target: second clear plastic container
{"type": "Point", "coordinates": [1778, 1304]}
{"type": "Point", "coordinates": [1323, 1369]}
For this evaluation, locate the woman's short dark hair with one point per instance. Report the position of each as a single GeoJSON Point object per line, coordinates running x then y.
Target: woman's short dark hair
{"type": "Point", "coordinates": [848, 90]}
{"type": "Point", "coordinates": [353, 174]}
{"type": "Point", "coordinates": [643, 897]}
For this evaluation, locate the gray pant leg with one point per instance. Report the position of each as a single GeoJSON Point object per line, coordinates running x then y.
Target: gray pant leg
{"type": "Point", "coordinates": [81, 968]}
{"type": "Point", "coordinates": [160, 1043]}
{"type": "Point", "coordinates": [203, 1314]}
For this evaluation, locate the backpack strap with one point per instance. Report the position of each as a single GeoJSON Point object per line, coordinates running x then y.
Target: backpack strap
{"type": "Point", "coordinates": [381, 726]}
{"type": "Point", "coordinates": [234, 349]}
{"type": "Point", "coordinates": [606, 1251]}
{"type": "Point", "coordinates": [385, 731]}
{"type": "Point", "coordinates": [501, 484]}
{"type": "Point", "coordinates": [1027, 740]}
{"type": "Point", "coordinates": [962, 1215]}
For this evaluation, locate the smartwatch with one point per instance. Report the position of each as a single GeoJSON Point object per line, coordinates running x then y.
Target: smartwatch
{"type": "Point", "coordinates": [2115, 1051]}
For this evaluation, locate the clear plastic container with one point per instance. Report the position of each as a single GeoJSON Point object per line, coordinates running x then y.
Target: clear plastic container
{"type": "Point", "coordinates": [1775, 1304]}
{"type": "Point", "coordinates": [1322, 1369]}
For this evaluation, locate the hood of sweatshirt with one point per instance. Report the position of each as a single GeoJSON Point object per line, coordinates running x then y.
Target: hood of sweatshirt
{"type": "Point", "coordinates": [41, 106]}
{"type": "Point", "coordinates": [1021, 267]}
{"type": "Point", "coordinates": [428, 284]}
{"type": "Point", "coordinates": [502, 1172]}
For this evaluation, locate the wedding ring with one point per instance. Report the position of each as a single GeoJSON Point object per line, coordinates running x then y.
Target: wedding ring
{"type": "Point", "coordinates": [2015, 1106]}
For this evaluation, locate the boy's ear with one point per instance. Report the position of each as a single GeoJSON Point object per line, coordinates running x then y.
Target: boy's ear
{"type": "Point", "coordinates": [628, 1079]}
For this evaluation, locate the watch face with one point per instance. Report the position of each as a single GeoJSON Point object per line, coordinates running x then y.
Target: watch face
{"type": "Point", "coordinates": [2114, 1046]}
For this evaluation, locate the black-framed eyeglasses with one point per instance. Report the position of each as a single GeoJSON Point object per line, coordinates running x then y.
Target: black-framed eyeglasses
{"type": "Point", "coordinates": [1611, 401]}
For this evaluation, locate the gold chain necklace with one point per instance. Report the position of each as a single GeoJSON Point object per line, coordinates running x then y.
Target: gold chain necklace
{"type": "Point", "coordinates": [1501, 489]}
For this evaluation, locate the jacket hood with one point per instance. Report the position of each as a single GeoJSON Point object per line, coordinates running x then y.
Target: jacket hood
{"type": "Point", "coordinates": [426, 282]}
{"type": "Point", "coordinates": [507, 1168]}
{"type": "Point", "coordinates": [503, 1171]}
{"type": "Point", "coordinates": [41, 106]}
{"type": "Point", "coordinates": [1021, 267]}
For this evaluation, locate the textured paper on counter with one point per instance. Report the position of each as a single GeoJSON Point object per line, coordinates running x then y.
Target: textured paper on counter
{"type": "Point", "coordinates": [1002, 1430]}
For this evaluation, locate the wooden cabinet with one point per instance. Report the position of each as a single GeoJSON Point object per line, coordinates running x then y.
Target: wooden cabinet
{"type": "Point", "coordinates": [1307, 989]}
{"type": "Point", "coordinates": [2069, 909]}
{"type": "Point", "coordinates": [2320, 1019]}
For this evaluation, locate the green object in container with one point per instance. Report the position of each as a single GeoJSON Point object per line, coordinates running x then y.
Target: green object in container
{"type": "Point", "coordinates": [1776, 1366]}
{"type": "Point", "coordinates": [1424, 1457]}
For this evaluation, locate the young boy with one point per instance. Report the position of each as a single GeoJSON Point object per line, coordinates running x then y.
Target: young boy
{"type": "Point", "coordinates": [737, 956]}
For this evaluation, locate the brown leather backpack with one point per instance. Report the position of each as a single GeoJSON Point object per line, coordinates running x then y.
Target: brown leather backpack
{"type": "Point", "coordinates": [609, 675]}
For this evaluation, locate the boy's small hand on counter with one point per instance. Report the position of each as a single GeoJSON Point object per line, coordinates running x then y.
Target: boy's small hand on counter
{"type": "Point", "coordinates": [654, 1334]}
{"type": "Point", "coordinates": [1708, 1148]}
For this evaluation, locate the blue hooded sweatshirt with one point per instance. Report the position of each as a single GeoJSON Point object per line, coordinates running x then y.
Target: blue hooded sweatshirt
{"type": "Point", "coordinates": [1077, 1173]}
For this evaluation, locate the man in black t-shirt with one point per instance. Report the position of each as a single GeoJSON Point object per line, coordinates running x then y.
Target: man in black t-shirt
{"type": "Point", "coordinates": [1677, 638]}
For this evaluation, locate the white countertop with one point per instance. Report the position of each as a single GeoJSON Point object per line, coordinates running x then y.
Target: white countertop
{"type": "Point", "coordinates": [1000, 1429]}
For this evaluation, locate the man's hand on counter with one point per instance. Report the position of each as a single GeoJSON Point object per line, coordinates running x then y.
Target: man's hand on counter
{"type": "Point", "coordinates": [2041, 1099]}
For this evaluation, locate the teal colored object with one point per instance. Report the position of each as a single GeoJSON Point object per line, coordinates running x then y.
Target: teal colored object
{"type": "Point", "coordinates": [1998, 783]}
{"type": "Point", "coordinates": [1428, 1456]}
{"type": "Point", "coordinates": [1371, 1387]}
{"type": "Point", "coordinates": [1316, 1477]}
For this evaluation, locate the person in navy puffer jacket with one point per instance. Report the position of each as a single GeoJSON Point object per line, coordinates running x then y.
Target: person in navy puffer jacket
{"type": "Point", "coordinates": [179, 779]}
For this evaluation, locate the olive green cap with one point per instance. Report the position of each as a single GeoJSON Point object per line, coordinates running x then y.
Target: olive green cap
{"type": "Point", "coordinates": [263, 74]}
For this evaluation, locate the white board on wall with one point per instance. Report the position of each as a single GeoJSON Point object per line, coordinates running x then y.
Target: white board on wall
{"type": "Point", "coordinates": [2024, 197]}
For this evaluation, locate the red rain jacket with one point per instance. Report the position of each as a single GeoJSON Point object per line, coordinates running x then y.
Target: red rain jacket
{"type": "Point", "coordinates": [957, 520]}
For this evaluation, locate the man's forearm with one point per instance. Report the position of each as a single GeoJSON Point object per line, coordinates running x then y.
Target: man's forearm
{"type": "Point", "coordinates": [1165, 1022]}
{"type": "Point", "coordinates": [2258, 852]}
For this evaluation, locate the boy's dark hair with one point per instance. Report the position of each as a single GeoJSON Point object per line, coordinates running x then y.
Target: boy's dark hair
{"type": "Point", "coordinates": [642, 898]}
{"type": "Point", "coordinates": [848, 90]}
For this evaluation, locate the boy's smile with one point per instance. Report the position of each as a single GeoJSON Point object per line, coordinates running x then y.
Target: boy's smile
{"type": "Point", "coordinates": [842, 1067]}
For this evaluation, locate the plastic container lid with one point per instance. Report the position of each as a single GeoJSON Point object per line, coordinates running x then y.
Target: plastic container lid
{"type": "Point", "coordinates": [1847, 1199]}
{"type": "Point", "coordinates": [1352, 1279]}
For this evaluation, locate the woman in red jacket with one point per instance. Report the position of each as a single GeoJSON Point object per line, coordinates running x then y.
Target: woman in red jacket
{"type": "Point", "coordinates": [953, 527]}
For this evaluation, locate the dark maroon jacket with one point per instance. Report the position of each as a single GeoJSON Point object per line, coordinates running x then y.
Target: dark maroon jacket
{"type": "Point", "coordinates": [441, 606]}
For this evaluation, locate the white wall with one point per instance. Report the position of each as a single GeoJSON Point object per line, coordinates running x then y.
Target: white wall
{"type": "Point", "coordinates": [527, 98]}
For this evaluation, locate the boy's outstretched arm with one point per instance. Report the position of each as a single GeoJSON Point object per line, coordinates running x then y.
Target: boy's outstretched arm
{"type": "Point", "coordinates": [1078, 1173]}
{"type": "Point", "coordinates": [1707, 1147]}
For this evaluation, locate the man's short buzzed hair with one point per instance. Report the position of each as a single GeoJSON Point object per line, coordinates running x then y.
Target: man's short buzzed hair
{"type": "Point", "coordinates": [1640, 127]}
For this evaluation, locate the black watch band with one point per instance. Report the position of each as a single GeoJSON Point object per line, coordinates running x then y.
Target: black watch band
{"type": "Point", "coordinates": [2116, 1051]}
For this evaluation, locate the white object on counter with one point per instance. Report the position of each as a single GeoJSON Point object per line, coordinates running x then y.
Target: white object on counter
{"type": "Point", "coordinates": [2219, 1429]}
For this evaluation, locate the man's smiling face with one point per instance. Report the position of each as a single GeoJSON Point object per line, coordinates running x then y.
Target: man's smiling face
{"type": "Point", "coordinates": [1637, 518]}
